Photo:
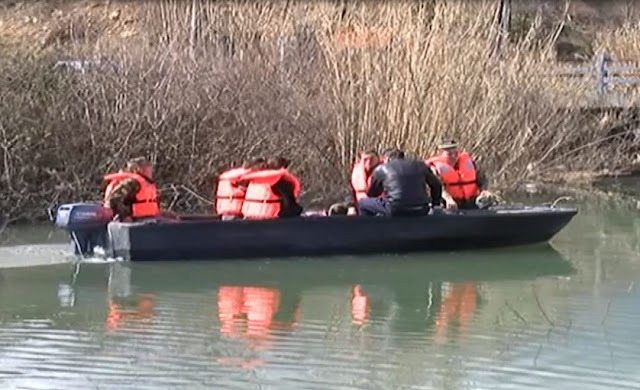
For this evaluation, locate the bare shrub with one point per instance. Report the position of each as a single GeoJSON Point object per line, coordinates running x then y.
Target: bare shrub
{"type": "Point", "coordinates": [197, 89]}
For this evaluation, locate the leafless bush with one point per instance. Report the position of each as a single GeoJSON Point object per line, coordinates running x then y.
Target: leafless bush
{"type": "Point", "coordinates": [199, 88]}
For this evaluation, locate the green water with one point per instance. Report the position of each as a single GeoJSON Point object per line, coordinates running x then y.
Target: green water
{"type": "Point", "coordinates": [564, 316]}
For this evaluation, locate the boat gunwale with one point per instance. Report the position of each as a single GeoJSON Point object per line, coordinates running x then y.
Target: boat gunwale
{"type": "Point", "coordinates": [203, 219]}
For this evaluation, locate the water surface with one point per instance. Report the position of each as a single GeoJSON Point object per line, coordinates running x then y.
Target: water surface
{"type": "Point", "coordinates": [562, 316]}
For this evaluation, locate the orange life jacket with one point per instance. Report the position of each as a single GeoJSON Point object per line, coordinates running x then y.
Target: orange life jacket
{"type": "Point", "coordinates": [260, 201]}
{"type": "Point", "coordinates": [459, 183]}
{"type": "Point", "coordinates": [145, 204]}
{"type": "Point", "coordinates": [360, 180]}
{"type": "Point", "coordinates": [230, 197]}
{"type": "Point", "coordinates": [111, 184]}
{"type": "Point", "coordinates": [296, 183]}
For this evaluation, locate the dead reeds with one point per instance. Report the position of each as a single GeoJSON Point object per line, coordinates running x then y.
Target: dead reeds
{"type": "Point", "coordinates": [202, 84]}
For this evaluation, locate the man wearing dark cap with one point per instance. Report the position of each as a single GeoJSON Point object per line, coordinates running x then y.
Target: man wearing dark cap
{"type": "Point", "coordinates": [464, 185]}
{"type": "Point", "coordinates": [403, 182]}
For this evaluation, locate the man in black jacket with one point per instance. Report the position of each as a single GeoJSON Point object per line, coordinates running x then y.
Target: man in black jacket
{"type": "Point", "coordinates": [403, 182]}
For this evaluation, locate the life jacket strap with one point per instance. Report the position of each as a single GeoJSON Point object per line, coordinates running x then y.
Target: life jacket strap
{"type": "Point", "coordinates": [144, 201]}
{"type": "Point", "coordinates": [262, 200]}
{"type": "Point", "coordinates": [461, 183]}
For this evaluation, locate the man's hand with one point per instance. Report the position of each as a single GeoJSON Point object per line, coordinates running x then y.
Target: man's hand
{"type": "Point", "coordinates": [352, 211]}
{"type": "Point", "coordinates": [450, 204]}
{"type": "Point", "coordinates": [448, 201]}
{"type": "Point", "coordinates": [487, 199]}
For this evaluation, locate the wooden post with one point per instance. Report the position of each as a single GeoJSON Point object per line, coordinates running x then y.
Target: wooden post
{"type": "Point", "coordinates": [601, 78]}
{"type": "Point", "coordinates": [505, 19]}
{"type": "Point", "coordinates": [194, 26]}
{"type": "Point", "coordinates": [503, 23]}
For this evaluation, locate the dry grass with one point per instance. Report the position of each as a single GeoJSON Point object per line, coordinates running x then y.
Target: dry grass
{"type": "Point", "coordinates": [300, 79]}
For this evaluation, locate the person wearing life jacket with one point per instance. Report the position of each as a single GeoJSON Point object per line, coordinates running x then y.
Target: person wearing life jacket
{"type": "Point", "coordinates": [283, 163]}
{"type": "Point", "coordinates": [403, 182]}
{"type": "Point", "coordinates": [463, 183]}
{"type": "Point", "coordinates": [361, 178]}
{"type": "Point", "coordinates": [271, 193]}
{"type": "Point", "coordinates": [229, 193]}
{"type": "Point", "coordinates": [131, 193]}
{"type": "Point", "coordinates": [358, 184]}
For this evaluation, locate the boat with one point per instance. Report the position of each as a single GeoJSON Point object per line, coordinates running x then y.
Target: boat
{"type": "Point", "coordinates": [193, 237]}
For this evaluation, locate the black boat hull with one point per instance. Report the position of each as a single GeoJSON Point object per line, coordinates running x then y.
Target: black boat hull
{"type": "Point", "coordinates": [209, 238]}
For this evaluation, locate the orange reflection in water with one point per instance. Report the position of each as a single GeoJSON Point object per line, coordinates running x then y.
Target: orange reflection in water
{"type": "Point", "coordinates": [359, 306]}
{"type": "Point", "coordinates": [458, 305]}
{"type": "Point", "coordinates": [118, 313]}
{"type": "Point", "coordinates": [247, 311]}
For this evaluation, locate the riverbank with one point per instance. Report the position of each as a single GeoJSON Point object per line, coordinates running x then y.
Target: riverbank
{"type": "Point", "coordinates": [313, 82]}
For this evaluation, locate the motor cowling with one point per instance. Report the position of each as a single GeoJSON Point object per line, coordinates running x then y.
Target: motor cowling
{"type": "Point", "coordinates": [82, 216]}
{"type": "Point", "coordinates": [86, 224]}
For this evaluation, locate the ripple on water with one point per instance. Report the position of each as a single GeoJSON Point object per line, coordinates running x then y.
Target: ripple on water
{"type": "Point", "coordinates": [181, 339]}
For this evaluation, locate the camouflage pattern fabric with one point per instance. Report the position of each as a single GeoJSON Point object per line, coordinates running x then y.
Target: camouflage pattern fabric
{"type": "Point", "coordinates": [122, 197]}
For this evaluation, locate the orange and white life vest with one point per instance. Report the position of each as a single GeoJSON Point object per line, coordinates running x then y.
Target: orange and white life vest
{"type": "Point", "coordinates": [460, 183]}
{"type": "Point", "coordinates": [145, 204]}
{"type": "Point", "coordinates": [111, 184]}
{"type": "Point", "coordinates": [230, 197]}
{"type": "Point", "coordinates": [260, 201]}
{"type": "Point", "coordinates": [360, 180]}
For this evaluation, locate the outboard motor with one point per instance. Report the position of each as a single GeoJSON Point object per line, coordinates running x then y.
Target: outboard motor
{"type": "Point", "coordinates": [86, 224]}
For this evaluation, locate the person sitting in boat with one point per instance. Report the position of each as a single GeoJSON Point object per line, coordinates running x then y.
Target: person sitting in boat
{"type": "Point", "coordinates": [229, 193]}
{"type": "Point", "coordinates": [361, 178]}
{"type": "Point", "coordinates": [272, 192]}
{"type": "Point", "coordinates": [403, 183]}
{"type": "Point", "coordinates": [464, 185]}
{"type": "Point", "coordinates": [132, 193]}
{"type": "Point", "coordinates": [359, 183]}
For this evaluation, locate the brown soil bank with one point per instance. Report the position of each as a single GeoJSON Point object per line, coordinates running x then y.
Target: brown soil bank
{"type": "Point", "coordinates": [195, 85]}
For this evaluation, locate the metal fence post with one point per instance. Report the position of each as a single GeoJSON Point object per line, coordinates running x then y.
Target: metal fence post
{"type": "Point", "coordinates": [601, 73]}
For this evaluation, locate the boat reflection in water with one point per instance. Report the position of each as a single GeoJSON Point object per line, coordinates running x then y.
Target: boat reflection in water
{"type": "Point", "coordinates": [244, 313]}
{"type": "Point", "coordinates": [249, 312]}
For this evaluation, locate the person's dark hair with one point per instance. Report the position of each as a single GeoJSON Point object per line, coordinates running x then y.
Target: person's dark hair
{"type": "Point", "coordinates": [392, 153]}
{"type": "Point", "coordinates": [278, 163]}
{"type": "Point", "coordinates": [137, 163]}
{"type": "Point", "coordinates": [447, 143]}
{"type": "Point", "coordinates": [283, 162]}
{"type": "Point", "coordinates": [256, 162]}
